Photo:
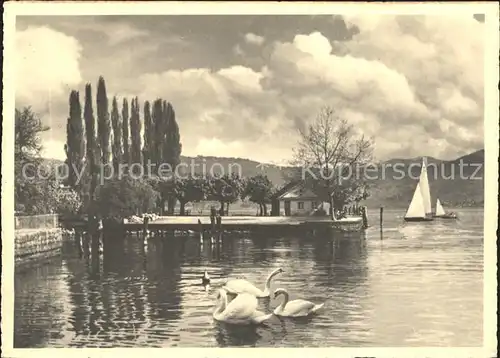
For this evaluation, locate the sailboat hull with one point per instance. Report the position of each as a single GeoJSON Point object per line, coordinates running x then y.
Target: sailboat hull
{"type": "Point", "coordinates": [419, 219]}
{"type": "Point", "coordinates": [447, 216]}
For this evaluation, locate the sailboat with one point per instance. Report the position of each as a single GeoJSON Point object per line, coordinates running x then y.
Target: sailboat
{"type": "Point", "coordinates": [420, 206]}
{"type": "Point", "coordinates": [441, 213]}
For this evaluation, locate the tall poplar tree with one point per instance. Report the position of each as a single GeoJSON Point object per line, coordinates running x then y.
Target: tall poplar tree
{"type": "Point", "coordinates": [157, 117]}
{"type": "Point", "coordinates": [171, 148]}
{"type": "Point", "coordinates": [75, 142]}
{"type": "Point", "coordinates": [135, 132]}
{"type": "Point", "coordinates": [117, 136]}
{"type": "Point", "coordinates": [93, 152]}
{"type": "Point", "coordinates": [103, 123]}
{"type": "Point", "coordinates": [148, 135]}
{"type": "Point", "coordinates": [125, 132]}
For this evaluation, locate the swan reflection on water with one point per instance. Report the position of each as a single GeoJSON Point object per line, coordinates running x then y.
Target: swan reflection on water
{"type": "Point", "coordinates": [273, 330]}
{"type": "Point", "coordinates": [228, 335]}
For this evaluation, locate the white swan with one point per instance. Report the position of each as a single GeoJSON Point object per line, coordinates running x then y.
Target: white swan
{"type": "Point", "coordinates": [239, 286]}
{"type": "Point", "coordinates": [294, 308]}
{"type": "Point", "coordinates": [241, 310]}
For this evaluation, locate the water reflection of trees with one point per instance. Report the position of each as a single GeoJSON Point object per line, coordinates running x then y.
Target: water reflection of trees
{"type": "Point", "coordinates": [125, 292]}
{"type": "Point", "coordinates": [36, 303]}
{"type": "Point", "coordinates": [134, 294]}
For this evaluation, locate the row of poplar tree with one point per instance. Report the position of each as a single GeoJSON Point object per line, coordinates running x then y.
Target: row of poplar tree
{"type": "Point", "coordinates": [116, 141]}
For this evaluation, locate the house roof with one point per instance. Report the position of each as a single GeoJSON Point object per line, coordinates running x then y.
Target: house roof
{"type": "Point", "coordinates": [285, 188]}
{"type": "Point", "coordinates": [296, 192]}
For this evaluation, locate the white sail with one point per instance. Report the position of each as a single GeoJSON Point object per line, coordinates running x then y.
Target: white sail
{"type": "Point", "coordinates": [439, 209]}
{"type": "Point", "coordinates": [424, 188]}
{"type": "Point", "coordinates": [417, 207]}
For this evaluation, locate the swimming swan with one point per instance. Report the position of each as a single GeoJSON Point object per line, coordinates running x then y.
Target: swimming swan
{"type": "Point", "coordinates": [239, 286]}
{"type": "Point", "coordinates": [241, 310]}
{"type": "Point", "coordinates": [294, 308]}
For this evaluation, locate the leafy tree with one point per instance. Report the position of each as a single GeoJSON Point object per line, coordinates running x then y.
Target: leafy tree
{"type": "Point", "coordinates": [75, 142]}
{"type": "Point", "coordinates": [225, 189]}
{"type": "Point", "coordinates": [38, 196]}
{"type": "Point", "coordinates": [120, 198]}
{"type": "Point", "coordinates": [157, 184]}
{"type": "Point", "coordinates": [67, 202]}
{"type": "Point", "coordinates": [330, 155]}
{"type": "Point", "coordinates": [27, 145]}
{"type": "Point", "coordinates": [37, 190]}
{"type": "Point", "coordinates": [258, 189]}
{"type": "Point", "coordinates": [190, 190]}
{"type": "Point", "coordinates": [103, 122]}
{"type": "Point", "coordinates": [27, 148]}
{"type": "Point", "coordinates": [117, 136]}
{"type": "Point", "coordinates": [166, 187]}
{"type": "Point", "coordinates": [350, 191]}
{"type": "Point", "coordinates": [45, 195]}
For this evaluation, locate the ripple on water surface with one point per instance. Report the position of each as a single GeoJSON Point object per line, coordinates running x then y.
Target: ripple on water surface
{"type": "Point", "coordinates": [412, 285]}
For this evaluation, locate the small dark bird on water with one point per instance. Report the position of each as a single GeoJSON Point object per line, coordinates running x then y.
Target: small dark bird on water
{"type": "Point", "coordinates": [205, 280]}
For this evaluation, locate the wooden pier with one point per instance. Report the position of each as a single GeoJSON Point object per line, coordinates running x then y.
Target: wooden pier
{"type": "Point", "coordinates": [247, 224]}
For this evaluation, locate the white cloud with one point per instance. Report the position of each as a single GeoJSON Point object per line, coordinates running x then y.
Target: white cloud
{"type": "Point", "coordinates": [47, 65]}
{"type": "Point", "coordinates": [398, 78]}
{"type": "Point", "coordinates": [315, 44]}
{"type": "Point", "coordinates": [403, 99]}
{"type": "Point", "coordinates": [406, 81]}
{"type": "Point", "coordinates": [254, 39]}
{"type": "Point", "coordinates": [227, 104]}
{"type": "Point", "coordinates": [242, 77]}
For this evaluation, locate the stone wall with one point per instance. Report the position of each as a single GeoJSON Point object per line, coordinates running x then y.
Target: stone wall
{"type": "Point", "coordinates": [47, 221]}
{"type": "Point", "coordinates": [34, 244]}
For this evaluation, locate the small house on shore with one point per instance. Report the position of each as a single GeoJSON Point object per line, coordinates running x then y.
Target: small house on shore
{"type": "Point", "coordinates": [297, 201]}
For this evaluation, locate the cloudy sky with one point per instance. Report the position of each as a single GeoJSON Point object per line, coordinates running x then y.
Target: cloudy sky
{"type": "Point", "coordinates": [242, 85]}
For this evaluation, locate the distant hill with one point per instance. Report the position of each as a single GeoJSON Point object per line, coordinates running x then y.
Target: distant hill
{"type": "Point", "coordinates": [244, 167]}
{"type": "Point", "coordinates": [455, 182]}
{"type": "Point", "coordinates": [389, 188]}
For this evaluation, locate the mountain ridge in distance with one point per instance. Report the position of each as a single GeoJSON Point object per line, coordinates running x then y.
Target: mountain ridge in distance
{"type": "Point", "coordinates": [388, 191]}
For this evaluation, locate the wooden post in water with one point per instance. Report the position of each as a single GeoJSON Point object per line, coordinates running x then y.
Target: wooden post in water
{"type": "Point", "coordinates": [200, 229]}
{"type": "Point", "coordinates": [381, 221]}
{"type": "Point", "coordinates": [213, 223]}
{"type": "Point", "coordinates": [219, 227]}
{"type": "Point", "coordinates": [145, 225]}
{"type": "Point", "coordinates": [364, 215]}
{"type": "Point", "coordinates": [213, 216]}
{"type": "Point", "coordinates": [79, 242]}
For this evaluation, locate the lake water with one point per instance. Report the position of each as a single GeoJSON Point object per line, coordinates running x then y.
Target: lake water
{"type": "Point", "coordinates": [420, 284]}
